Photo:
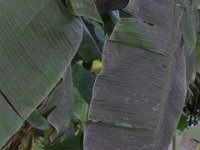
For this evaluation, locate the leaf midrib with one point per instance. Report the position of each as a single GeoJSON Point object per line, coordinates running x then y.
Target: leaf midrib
{"type": "Point", "coordinates": [171, 56]}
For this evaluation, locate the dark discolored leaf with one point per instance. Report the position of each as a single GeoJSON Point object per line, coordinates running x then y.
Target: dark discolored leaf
{"type": "Point", "coordinates": [142, 82]}
{"type": "Point", "coordinates": [153, 12]}
{"type": "Point", "coordinates": [60, 105]}
{"type": "Point", "coordinates": [114, 137]}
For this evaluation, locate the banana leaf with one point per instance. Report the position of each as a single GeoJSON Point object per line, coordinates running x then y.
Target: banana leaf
{"type": "Point", "coordinates": [139, 94]}
{"type": "Point", "coordinates": [38, 40]}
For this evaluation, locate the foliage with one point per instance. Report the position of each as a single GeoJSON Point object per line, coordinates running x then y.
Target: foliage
{"type": "Point", "coordinates": [131, 67]}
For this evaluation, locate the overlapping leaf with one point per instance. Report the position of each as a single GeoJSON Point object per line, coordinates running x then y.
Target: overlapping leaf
{"type": "Point", "coordinates": [37, 42]}
{"type": "Point", "coordinates": [37, 121]}
{"type": "Point", "coordinates": [190, 26]}
{"type": "Point", "coordinates": [83, 80]}
{"type": "Point", "coordinates": [86, 8]}
{"type": "Point", "coordinates": [80, 106]}
{"type": "Point", "coordinates": [88, 49]}
{"type": "Point", "coordinates": [75, 143]}
{"type": "Point", "coordinates": [60, 106]}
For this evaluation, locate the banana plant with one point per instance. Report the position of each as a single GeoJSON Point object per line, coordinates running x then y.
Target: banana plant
{"type": "Point", "coordinates": [47, 50]}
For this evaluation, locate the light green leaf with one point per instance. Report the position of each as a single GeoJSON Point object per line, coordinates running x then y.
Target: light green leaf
{"type": "Point", "coordinates": [86, 8]}
{"type": "Point", "coordinates": [182, 122]}
{"type": "Point", "coordinates": [37, 145]}
{"type": "Point", "coordinates": [75, 143]}
{"type": "Point", "coordinates": [80, 106]}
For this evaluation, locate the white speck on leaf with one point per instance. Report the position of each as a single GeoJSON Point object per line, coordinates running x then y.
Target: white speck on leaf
{"type": "Point", "coordinates": [156, 107]}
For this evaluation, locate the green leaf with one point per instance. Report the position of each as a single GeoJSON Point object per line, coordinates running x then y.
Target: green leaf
{"type": "Point", "coordinates": [37, 145]}
{"type": "Point", "coordinates": [88, 49]}
{"type": "Point", "coordinates": [37, 121]}
{"type": "Point", "coordinates": [189, 33]}
{"type": "Point", "coordinates": [86, 8]}
{"type": "Point", "coordinates": [174, 143]}
{"type": "Point", "coordinates": [114, 15]}
{"type": "Point", "coordinates": [100, 34]}
{"type": "Point", "coordinates": [198, 3]}
{"type": "Point", "coordinates": [80, 106]}
{"type": "Point", "coordinates": [75, 143]}
{"type": "Point", "coordinates": [123, 35]}
{"type": "Point", "coordinates": [190, 60]}
{"type": "Point", "coordinates": [108, 23]}
{"type": "Point", "coordinates": [83, 80]}
{"type": "Point", "coordinates": [198, 52]}
{"type": "Point", "coordinates": [182, 122]}
{"type": "Point", "coordinates": [10, 121]}
{"type": "Point", "coordinates": [38, 41]}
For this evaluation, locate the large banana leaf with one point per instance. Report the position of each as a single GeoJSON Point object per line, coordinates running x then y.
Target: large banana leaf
{"type": "Point", "coordinates": [138, 97]}
{"type": "Point", "coordinates": [38, 39]}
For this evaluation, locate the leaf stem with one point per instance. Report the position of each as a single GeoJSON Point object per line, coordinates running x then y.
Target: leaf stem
{"type": "Point", "coordinates": [174, 143]}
